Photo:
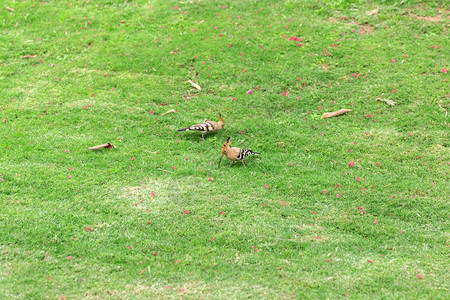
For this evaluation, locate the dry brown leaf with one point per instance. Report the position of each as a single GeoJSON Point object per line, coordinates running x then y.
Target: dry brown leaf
{"type": "Point", "coordinates": [335, 113]}
{"type": "Point", "coordinates": [195, 85]}
{"type": "Point", "coordinates": [10, 9]}
{"type": "Point", "coordinates": [4, 120]}
{"type": "Point", "coordinates": [388, 102]}
{"type": "Point", "coordinates": [106, 146]}
{"type": "Point", "coordinates": [325, 67]}
{"type": "Point", "coordinates": [169, 111]}
{"type": "Point", "coordinates": [373, 12]}
{"type": "Point", "coordinates": [29, 56]}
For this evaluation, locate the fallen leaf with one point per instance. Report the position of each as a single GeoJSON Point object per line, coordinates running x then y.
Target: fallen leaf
{"type": "Point", "coordinates": [106, 146]}
{"type": "Point", "coordinates": [4, 120]}
{"type": "Point", "coordinates": [195, 85]}
{"type": "Point", "coordinates": [29, 56]}
{"type": "Point", "coordinates": [122, 21]}
{"type": "Point", "coordinates": [372, 12]}
{"type": "Point", "coordinates": [387, 101]}
{"type": "Point", "coordinates": [10, 9]}
{"type": "Point", "coordinates": [335, 113]}
{"type": "Point", "coordinates": [169, 111]}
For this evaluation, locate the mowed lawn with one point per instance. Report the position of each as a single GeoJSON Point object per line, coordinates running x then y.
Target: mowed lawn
{"type": "Point", "coordinates": [354, 206]}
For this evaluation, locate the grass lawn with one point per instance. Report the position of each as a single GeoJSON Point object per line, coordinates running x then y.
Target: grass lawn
{"type": "Point", "coordinates": [352, 206]}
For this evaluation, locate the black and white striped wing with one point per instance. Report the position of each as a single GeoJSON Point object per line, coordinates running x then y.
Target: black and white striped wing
{"type": "Point", "coordinates": [203, 127]}
{"type": "Point", "coordinates": [243, 153]}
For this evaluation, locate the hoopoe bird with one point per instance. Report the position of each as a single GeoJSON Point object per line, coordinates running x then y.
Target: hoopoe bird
{"type": "Point", "coordinates": [234, 153]}
{"type": "Point", "coordinates": [206, 126]}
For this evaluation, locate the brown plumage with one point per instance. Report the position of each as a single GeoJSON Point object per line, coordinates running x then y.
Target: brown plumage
{"type": "Point", "coordinates": [234, 153]}
{"type": "Point", "coordinates": [206, 126]}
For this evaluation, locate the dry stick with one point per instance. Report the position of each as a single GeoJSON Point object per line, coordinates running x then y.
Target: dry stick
{"type": "Point", "coordinates": [106, 146]}
{"type": "Point", "coordinates": [168, 112]}
{"type": "Point", "coordinates": [195, 85]}
{"type": "Point", "coordinates": [335, 113]}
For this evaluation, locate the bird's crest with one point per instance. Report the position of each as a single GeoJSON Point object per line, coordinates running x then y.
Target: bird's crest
{"type": "Point", "coordinates": [225, 146]}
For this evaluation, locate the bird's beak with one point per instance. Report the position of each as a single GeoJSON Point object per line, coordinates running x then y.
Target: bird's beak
{"type": "Point", "coordinates": [220, 160]}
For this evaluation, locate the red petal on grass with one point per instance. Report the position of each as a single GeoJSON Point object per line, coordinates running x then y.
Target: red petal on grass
{"type": "Point", "coordinates": [328, 260]}
{"type": "Point", "coordinates": [251, 247]}
{"type": "Point", "coordinates": [210, 179]}
{"type": "Point", "coordinates": [317, 237]}
{"type": "Point", "coordinates": [324, 192]}
{"type": "Point", "coordinates": [256, 250]}
{"type": "Point", "coordinates": [141, 271]}
{"type": "Point", "coordinates": [152, 194]}
{"type": "Point", "coordinates": [49, 277]}
{"type": "Point", "coordinates": [266, 186]}
{"type": "Point", "coordinates": [128, 247]}
{"type": "Point", "coordinates": [154, 253]}
{"type": "Point", "coordinates": [378, 164]}
{"type": "Point", "coordinates": [70, 169]}
{"type": "Point", "coordinates": [351, 164]}
{"type": "Point", "coordinates": [338, 195]}
{"type": "Point", "coordinates": [375, 222]}
{"type": "Point", "coordinates": [369, 261]}
{"type": "Point", "coordinates": [4, 251]}
{"type": "Point", "coordinates": [151, 112]}
{"type": "Point", "coordinates": [443, 70]}
{"type": "Point", "coordinates": [418, 276]}
{"type": "Point", "coordinates": [88, 229]}
{"type": "Point", "coordinates": [185, 212]}
{"type": "Point", "coordinates": [314, 213]}
{"type": "Point", "coordinates": [69, 257]}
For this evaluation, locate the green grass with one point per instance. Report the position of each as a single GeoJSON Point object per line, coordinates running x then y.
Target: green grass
{"type": "Point", "coordinates": [156, 217]}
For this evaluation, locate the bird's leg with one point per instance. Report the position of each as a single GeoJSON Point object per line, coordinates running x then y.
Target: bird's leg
{"type": "Point", "coordinates": [203, 136]}
{"type": "Point", "coordinates": [243, 163]}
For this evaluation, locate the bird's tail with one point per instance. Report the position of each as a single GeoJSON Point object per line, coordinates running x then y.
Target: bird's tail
{"type": "Point", "coordinates": [184, 129]}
